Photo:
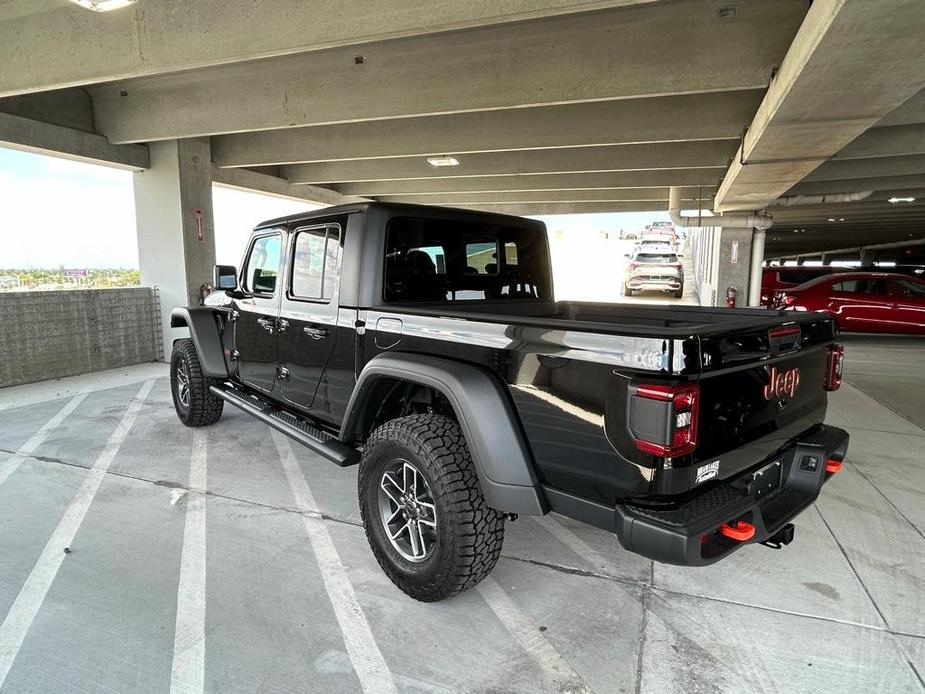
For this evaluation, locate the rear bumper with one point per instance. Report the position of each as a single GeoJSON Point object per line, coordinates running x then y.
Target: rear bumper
{"type": "Point", "coordinates": [660, 284]}
{"type": "Point", "coordinates": [689, 534]}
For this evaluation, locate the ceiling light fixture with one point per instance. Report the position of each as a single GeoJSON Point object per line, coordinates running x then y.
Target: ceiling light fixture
{"type": "Point", "coordinates": [103, 5]}
{"type": "Point", "coordinates": [896, 199]}
{"type": "Point", "coordinates": [443, 161]}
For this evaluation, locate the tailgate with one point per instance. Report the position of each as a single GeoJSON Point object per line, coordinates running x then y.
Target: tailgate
{"type": "Point", "coordinates": [759, 389]}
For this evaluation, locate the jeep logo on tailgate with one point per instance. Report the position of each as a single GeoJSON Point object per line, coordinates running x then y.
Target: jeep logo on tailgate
{"type": "Point", "coordinates": [782, 383]}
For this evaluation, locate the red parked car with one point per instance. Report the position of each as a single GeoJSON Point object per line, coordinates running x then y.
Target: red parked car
{"type": "Point", "coordinates": [774, 279]}
{"type": "Point", "coordinates": [868, 302]}
{"type": "Point", "coordinates": [790, 276]}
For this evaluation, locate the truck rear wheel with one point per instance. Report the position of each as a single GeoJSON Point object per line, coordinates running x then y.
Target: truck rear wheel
{"type": "Point", "coordinates": [423, 510]}
{"type": "Point", "coordinates": [195, 405]}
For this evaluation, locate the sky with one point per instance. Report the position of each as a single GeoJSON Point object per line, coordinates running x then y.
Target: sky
{"type": "Point", "coordinates": [55, 212]}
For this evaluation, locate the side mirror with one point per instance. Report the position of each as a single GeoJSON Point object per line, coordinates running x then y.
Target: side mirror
{"type": "Point", "coordinates": [226, 277]}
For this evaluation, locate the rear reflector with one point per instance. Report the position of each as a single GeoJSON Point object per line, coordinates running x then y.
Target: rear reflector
{"type": "Point", "coordinates": [663, 419]}
{"type": "Point", "coordinates": [833, 371]}
{"type": "Point", "coordinates": [833, 466]}
{"type": "Point", "coordinates": [740, 531]}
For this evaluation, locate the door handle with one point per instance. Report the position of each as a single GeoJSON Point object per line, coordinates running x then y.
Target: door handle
{"type": "Point", "coordinates": [282, 325]}
{"type": "Point", "coordinates": [268, 324]}
{"type": "Point", "coordinates": [315, 332]}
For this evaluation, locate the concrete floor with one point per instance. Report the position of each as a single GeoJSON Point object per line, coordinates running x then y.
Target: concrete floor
{"type": "Point", "coordinates": [247, 589]}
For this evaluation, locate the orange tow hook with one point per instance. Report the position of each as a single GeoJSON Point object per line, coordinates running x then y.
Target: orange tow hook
{"type": "Point", "coordinates": [738, 530]}
{"type": "Point", "coordinates": [833, 466]}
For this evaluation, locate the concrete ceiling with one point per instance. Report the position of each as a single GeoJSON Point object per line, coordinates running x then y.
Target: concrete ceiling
{"type": "Point", "coordinates": [548, 105]}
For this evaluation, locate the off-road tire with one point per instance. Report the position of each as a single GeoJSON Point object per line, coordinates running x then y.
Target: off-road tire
{"type": "Point", "coordinates": [679, 294]}
{"type": "Point", "coordinates": [627, 291]}
{"type": "Point", "coordinates": [204, 408]}
{"type": "Point", "coordinates": [469, 533]}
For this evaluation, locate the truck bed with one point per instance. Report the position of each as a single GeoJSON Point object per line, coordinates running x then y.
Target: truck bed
{"type": "Point", "coordinates": [676, 322]}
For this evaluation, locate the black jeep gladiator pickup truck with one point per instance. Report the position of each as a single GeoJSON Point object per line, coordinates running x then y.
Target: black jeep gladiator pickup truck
{"type": "Point", "coordinates": [425, 345]}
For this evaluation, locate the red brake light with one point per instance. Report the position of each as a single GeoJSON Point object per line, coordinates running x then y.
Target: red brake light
{"type": "Point", "coordinates": [788, 299]}
{"type": "Point", "coordinates": [679, 412]}
{"type": "Point", "coordinates": [833, 371]}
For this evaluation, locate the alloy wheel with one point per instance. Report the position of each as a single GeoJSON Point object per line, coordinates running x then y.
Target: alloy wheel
{"type": "Point", "coordinates": [407, 511]}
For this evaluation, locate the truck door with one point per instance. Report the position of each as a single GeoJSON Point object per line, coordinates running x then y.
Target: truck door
{"type": "Point", "coordinates": [308, 318]}
{"type": "Point", "coordinates": [258, 310]}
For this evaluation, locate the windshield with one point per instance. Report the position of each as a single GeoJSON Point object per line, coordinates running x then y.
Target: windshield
{"type": "Point", "coordinates": [656, 259]}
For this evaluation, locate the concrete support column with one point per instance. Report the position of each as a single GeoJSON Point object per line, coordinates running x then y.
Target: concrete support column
{"type": "Point", "coordinates": [732, 267]}
{"type": "Point", "coordinates": [754, 273]}
{"type": "Point", "coordinates": [176, 246]}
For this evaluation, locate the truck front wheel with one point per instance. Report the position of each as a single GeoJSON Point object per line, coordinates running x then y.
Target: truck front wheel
{"type": "Point", "coordinates": [423, 510]}
{"type": "Point", "coordinates": [196, 406]}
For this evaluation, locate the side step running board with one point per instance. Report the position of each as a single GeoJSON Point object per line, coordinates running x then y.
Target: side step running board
{"type": "Point", "coordinates": [321, 442]}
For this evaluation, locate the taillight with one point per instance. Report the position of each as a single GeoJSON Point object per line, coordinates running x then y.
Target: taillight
{"type": "Point", "coordinates": [788, 299]}
{"type": "Point", "coordinates": [663, 419]}
{"type": "Point", "coordinates": [833, 370]}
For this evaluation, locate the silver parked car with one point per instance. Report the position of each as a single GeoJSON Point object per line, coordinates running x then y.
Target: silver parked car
{"type": "Point", "coordinates": [654, 268]}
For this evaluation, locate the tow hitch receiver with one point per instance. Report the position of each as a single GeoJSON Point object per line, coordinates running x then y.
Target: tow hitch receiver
{"type": "Point", "coordinates": [782, 537]}
{"type": "Point", "coordinates": [739, 531]}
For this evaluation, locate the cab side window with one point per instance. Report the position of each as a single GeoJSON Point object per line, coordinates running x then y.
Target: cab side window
{"type": "Point", "coordinates": [262, 269]}
{"type": "Point", "coordinates": [316, 257]}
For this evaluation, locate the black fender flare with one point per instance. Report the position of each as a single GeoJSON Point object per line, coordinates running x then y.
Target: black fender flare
{"type": "Point", "coordinates": [485, 413]}
{"type": "Point", "coordinates": [202, 322]}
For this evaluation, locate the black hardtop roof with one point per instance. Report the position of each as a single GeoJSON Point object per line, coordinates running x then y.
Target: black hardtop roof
{"type": "Point", "coordinates": [399, 208]}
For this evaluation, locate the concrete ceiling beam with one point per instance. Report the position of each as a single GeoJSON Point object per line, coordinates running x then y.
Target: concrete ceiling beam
{"type": "Point", "coordinates": [808, 115]}
{"type": "Point", "coordinates": [245, 179]}
{"type": "Point", "coordinates": [548, 208]}
{"type": "Point", "coordinates": [630, 52]}
{"type": "Point", "coordinates": [658, 119]}
{"type": "Point", "coordinates": [910, 112]}
{"type": "Point", "coordinates": [912, 165]}
{"type": "Point", "coordinates": [40, 137]}
{"type": "Point", "coordinates": [673, 155]}
{"type": "Point", "coordinates": [648, 195]}
{"type": "Point", "coordinates": [707, 178]}
{"type": "Point", "coordinates": [880, 183]}
{"type": "Point", "coordinates": [896, 140]}
{"type": "Point", "coordinates": [68, 46]}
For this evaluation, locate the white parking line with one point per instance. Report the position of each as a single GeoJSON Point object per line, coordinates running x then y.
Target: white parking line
{"type": "Point", "coordinates": [365, 655]}
{"type": "Point", "coordinates": [189, 642]}
{"type": "Point", "coordinates": [557, 673]}
{"type": "Point", "coordinates": [16, 625]}
{"type": "Point", "coordinates": [38, 438]}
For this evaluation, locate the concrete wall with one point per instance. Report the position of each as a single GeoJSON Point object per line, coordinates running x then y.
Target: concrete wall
{"type": "Point", "coordinates": [703, 248]}
{"type": "Point", "coordinates": [64, 333]}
